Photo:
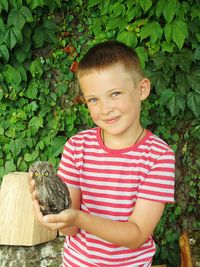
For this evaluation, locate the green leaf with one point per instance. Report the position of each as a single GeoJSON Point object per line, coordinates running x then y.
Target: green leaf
{"type": "Point", "coordinates": [129, 38]}
{"type": "Point", "coordinates": [12, 36]}
{"type": "Point", "coordinates": [35, 3]}
{"type": "Point", "coordinates": [51, 26]}
{"type": "Point", "coordinates": [15, 148]}
{"type": "Point", "coordinates": [35, 123]}
{"type": "Point", "coordinates": [169, 10]}
{"type": "Point", "coordinates": [10, 166]}
{"type": "Point", "coordinates": [180, 32]}
{"type": "Point", "coordinates": [185, 59]}
{"type": "Point", "coordinates": [32, 92]}
{"type": "Point", "coordinates": [193, 101]}
{"type": "Point", "coordinates": [57, 146]}
{"type": "Point", "coordinates": [142, 54]}
{"type": "Point", "coordinates": [22, 52]}
{"type": "Point", "coordinates": [194, 78]}
{"type": "Point", "coordinates": [92, 3]}
{"type": "Point", "coordinates": [182, 83]}
{"type": "Point", "coordinates": [4, 53]}
{"type": "Point", "coordinates": [2, 27]}
{"type": "Point", "coordinates": [11, 75]}
{"type": "Point", "coordinates": [145, 4]}
{"type": "Point", "coordinates": [26, 13]}
{"type": "Point", "coordinates": [36, 68]}
{"type": "Point", "coordinates": [152, 30]}
{"type": "Point", "coordinates": [39, 37]}
{"type": "Point", "coordinates": [31, 157]}
{"type": "Point", "coordinates": [4, 5]}
{"type": "Point", "coordinates": [16, 18]}
{"type": "Point", "coordinates": [175, 101]}
{"type": "Point", "coordinates": [160, 5]}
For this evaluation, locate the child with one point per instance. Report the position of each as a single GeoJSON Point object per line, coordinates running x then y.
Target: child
{"type": "Point", "coordinates": [119, 174]}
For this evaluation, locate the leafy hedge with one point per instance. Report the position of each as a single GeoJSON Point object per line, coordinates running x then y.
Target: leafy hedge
{"type": "Point", "coordinates": [40, 44]}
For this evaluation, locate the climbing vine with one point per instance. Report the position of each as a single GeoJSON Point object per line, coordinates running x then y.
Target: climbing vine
{"type": "Point", "coordinates": [41, 42]}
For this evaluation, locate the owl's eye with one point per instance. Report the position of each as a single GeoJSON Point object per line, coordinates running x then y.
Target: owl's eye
{"type": "Point", "coordinates": [46, 173]}
{"type": "Point", "coordinates": [36, 174]}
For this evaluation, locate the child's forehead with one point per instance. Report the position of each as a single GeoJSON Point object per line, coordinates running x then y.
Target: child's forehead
{"type": "Point", "coordinates": [117, 67]}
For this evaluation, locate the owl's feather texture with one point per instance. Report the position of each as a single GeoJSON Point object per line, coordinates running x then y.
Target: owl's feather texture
{"type": "Point", "coordinates": [52, 193]}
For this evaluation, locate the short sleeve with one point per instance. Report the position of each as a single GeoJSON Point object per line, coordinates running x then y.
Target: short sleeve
{"type": "Point", "coordinates": [67, 170]}
{"type": "Point", "coordinates": [158, 185]}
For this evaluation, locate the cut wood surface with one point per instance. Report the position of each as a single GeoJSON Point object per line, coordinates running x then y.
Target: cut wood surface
{"type": "Point", "coordinates": [18, 225]}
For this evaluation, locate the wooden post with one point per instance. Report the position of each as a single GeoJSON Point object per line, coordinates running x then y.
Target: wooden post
{"type": "Point", "coordinates": [186, 259]}
{"type": "Point", "coordinates": [18, 225]}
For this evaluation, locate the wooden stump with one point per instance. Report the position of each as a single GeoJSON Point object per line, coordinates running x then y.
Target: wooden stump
{"type": "Point", "coordinates": [18, 225]}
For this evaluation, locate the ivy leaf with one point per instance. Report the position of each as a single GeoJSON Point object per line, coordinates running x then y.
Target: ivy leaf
{"type": "Point", "coordinates": [193, 101]}
{"type": "Point", "coordinates": [145, 4]}
{"type": "Point", "coordinates": [31, 157]}
{"type": "Point", "coordinates": [16, 18]}
{"type": "Point", "coordinates": [34, 124]}
{"type": "Point", "coordinates": [182, 83]}
{"type": "Point", "coordinates": [11, 75]}
{"type": "Point", "coordinates": [160, 5]}
{"type": "Point", "coordinates": [36, 68]}
{"type": "Point", "coordinates": [57, 146]}
{"type": "Point", "coordinates": [4, 5]}
{"type": "Point", "coordinates": [15, 148]}
{"type": "Point", "coordinates": [152, 30]}
{"type": "Point", "coordinates": [169, 10]}
{"type": "Point", "coordinates": [142, 54]}
{"type": "Point", "coordinates": [176, 31]}
{"type": "Point", "coordinates": [175, 101]}
{"type": "Point", "coordinates": [39, 37]}
{"type": "Point", "coordinates": [127, 37]}
{"type": "Point", "coordinates": [2, 27]}
{"type": "Point", "coordinates": [4, 53]}
{"type": "Point", "coordinates": [32, 92]}
{"type": "Point", "coordinates": [159, 80]}
{"type": "Point", "coordinates": [23, 52]}
{"type": "Point", "coordinates": [180, 32]}
{"type": "Point", "coordinates": [12, 36]}
{"type": "Point", "coordinates": [185, 59]}
{"type": "Point", "coordinates": [45, 33]}
{"type": "Point", "coordinates": [92, 3]}
{"type": "Point", "coordinates": [10, 166]}
{"type": "Point", "coordinates": [35, 3]}
{"type": "Point", "coordinates": [194, 79]}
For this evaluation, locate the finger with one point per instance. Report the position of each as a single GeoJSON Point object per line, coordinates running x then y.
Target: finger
{"type": "Point", "coordinates": [34, 195]}
{"type": "Point", "coordinates": [55, 226]}
{"type": "Point", "coordinates": [31, 185]}
{"type": "Point", "coordinates": [37, 210]}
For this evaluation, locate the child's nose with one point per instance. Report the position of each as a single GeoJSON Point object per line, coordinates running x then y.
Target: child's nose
{"type": "Point", "coordinates": [106, 107]}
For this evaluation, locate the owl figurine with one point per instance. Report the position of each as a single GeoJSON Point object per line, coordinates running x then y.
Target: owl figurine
{"type": "Point", "coordinates": [52, 194]}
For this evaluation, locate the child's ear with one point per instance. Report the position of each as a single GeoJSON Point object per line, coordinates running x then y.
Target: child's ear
{"type": "Point", "coordinates": [144, 88]}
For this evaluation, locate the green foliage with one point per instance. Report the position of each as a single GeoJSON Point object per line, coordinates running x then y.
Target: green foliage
{"type": "Point", "coordinates": [40, 44]}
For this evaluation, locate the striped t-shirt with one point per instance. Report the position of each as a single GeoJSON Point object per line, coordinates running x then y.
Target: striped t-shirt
{"type": "Point", "coordinates": [110, 182]}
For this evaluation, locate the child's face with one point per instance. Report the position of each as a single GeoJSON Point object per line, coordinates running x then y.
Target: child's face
{"type": "Point", "coordinates": [113, 99]}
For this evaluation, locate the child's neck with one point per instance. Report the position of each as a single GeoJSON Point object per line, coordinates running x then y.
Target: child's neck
{"type": "Point", "coordinates": [118, 143]}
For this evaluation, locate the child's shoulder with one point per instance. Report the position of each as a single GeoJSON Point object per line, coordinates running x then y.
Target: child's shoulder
{"type": "Point", "coordinates": [85, 134]}
{"type": "Point", "coordinates": [156, 142]}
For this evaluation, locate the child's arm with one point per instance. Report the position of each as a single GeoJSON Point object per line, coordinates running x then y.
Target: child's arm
{"type": "Point", "coordinates": [131, 234]}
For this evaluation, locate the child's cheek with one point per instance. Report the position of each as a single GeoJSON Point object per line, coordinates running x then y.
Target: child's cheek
{"type": "Point", "coordinates": [94, 114]}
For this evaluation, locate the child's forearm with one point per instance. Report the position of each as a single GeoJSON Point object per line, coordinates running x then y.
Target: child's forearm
{"type": "Point", "coordinates": [126, 234]}
{"type": "Point", "coordinates": [69, 231]}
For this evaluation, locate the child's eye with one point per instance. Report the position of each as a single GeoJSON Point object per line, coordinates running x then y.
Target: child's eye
{"type": "Point", "coordinates": [115, 93]}
{"type": "Point", "coordinates": [92, 100]}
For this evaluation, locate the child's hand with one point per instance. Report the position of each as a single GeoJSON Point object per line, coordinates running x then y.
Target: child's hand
{"type": "Point", "coordinates": [64, 219]}
{"type": "Point", "coordinates": [31, 184]}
